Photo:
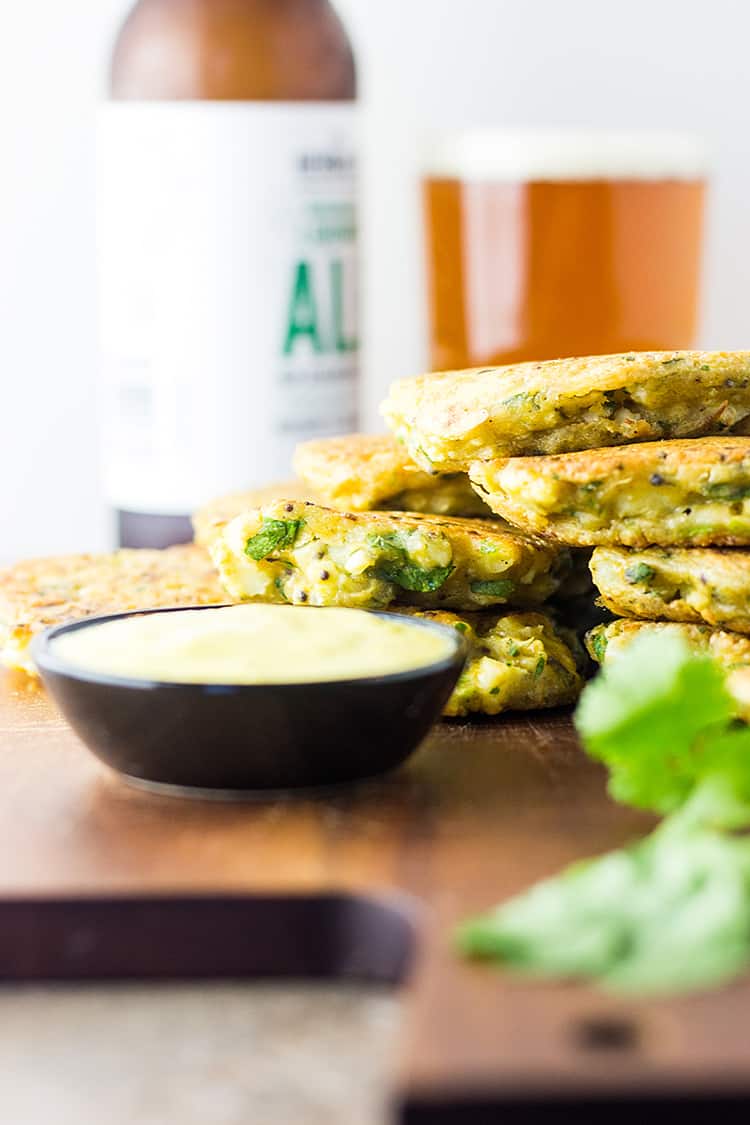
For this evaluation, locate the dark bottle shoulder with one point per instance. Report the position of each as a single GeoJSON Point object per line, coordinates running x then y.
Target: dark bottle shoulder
{"type": "Point", "coordinates": [233, 50]}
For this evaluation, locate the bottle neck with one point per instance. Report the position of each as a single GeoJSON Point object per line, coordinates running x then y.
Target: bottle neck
{"type": "Point", "coordinates": [233, 50]}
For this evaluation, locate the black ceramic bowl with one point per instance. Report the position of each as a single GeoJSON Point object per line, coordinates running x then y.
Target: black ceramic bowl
{"type": "Point", "coordinates": [249, 737]}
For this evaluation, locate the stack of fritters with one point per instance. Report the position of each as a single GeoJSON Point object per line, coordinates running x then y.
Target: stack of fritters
{"type": "Point", "coordinates": [634, 455]}
{"type": "Point", "coordinates": [395, 536]}
{"type": "Point", "coordinates": [469, 514]}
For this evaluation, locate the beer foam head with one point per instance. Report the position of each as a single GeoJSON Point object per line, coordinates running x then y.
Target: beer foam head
{"type": "Point", "coordinates": [566, 154]}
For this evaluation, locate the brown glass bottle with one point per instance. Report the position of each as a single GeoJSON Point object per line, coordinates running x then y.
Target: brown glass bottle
{"type": "Point", "coordinates": [261, 58]}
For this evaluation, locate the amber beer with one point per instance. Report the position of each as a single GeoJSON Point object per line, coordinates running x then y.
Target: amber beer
{"type": "Point", "coordinates": [547, 245]}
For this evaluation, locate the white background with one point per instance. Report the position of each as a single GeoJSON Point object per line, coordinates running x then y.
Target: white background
{"type": "Point", "coordinates": [423, 64]}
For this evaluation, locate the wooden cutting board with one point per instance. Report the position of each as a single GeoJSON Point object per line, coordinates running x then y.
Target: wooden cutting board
{"type": "Point", "coordinates": [100, 880]}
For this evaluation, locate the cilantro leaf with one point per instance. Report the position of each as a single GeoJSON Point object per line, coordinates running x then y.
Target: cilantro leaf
{"type": "Point", "coordinates": [721, 775]}
{"type": "Point", "coordinates": [273, 536]}
{"type": "Point", "coordinates": [664, 915]}
{"type": "Point", "coordinates": [672, 912]}
{"type": "Point", "coordinates": [647, 717]}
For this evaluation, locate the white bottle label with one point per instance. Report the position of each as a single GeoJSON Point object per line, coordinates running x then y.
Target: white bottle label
{"type": "Point", "coordinates": [227, 255]}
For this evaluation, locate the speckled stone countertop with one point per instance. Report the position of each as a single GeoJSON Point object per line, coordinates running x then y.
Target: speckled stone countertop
{"type": "Point", "coordinates": [231, 1054]}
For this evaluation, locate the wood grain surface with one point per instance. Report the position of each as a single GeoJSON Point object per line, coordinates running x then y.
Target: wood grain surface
{"type": "Point", "coordinates": [98, 879]}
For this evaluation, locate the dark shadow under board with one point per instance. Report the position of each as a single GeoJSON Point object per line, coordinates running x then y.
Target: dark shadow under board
{"type": "Point", "coordinates": [166, 937]}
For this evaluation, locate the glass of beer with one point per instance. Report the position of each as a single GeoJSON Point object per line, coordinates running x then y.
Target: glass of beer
{"type": "Point", "coordinates": [550, 244]}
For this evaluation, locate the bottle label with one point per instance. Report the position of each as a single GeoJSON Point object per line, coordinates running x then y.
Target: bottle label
{"type": "Point", "coordinates": [227, 261]}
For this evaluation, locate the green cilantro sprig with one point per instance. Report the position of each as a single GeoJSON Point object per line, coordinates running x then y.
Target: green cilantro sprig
{"type": "Point", "coordinates": [672, 912]}
{"type": "Point", "coordinates": [662, 721]}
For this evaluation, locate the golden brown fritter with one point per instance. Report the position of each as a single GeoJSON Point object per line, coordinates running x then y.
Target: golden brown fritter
{"type": "Point", "coordinates": [698, 585]}
{"type": "Point", "coordinates": [210, 519]}
{"type": "Point", "coordinates": [449, 419]}
{"type": "Point", "coordinates": [516, 662]}
{"type": "Point", "coordinates": [607, 642]}
{"type": "Point", "coordinates": [39, 593]}
{"type": "Point", "coordinates": [362, 472]}
{"type": "Point", "coordinates": [303, 553]}
{"type": "Point", "coordinates": [693, 492]}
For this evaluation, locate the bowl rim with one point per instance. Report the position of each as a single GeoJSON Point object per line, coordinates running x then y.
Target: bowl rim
{"type": "Point", "coordinates": [43, 655]}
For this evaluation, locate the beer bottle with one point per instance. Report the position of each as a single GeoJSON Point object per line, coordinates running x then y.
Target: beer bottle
{"type": "Point", "coordinates": [227, 235]}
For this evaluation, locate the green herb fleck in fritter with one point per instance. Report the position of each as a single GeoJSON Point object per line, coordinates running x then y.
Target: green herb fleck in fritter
{"type": "Point", "coordinates": [273, 536]}
{"type": "Point", "coordinates": [494, 588]}
{"type": "Point", "coordinates": [639, 572]}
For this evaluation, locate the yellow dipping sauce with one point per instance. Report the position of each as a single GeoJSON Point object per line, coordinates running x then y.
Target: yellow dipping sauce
{"type": "Point", "coordinates": [252, 644]}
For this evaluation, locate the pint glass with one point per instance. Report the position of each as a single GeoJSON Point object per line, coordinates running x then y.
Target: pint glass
{"type": "Point", "coordinates": [541, 245]}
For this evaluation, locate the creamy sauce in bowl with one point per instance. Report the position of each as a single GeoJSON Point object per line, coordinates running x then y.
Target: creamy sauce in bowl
{"type": "Point", "coordinates": [253, 644]}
